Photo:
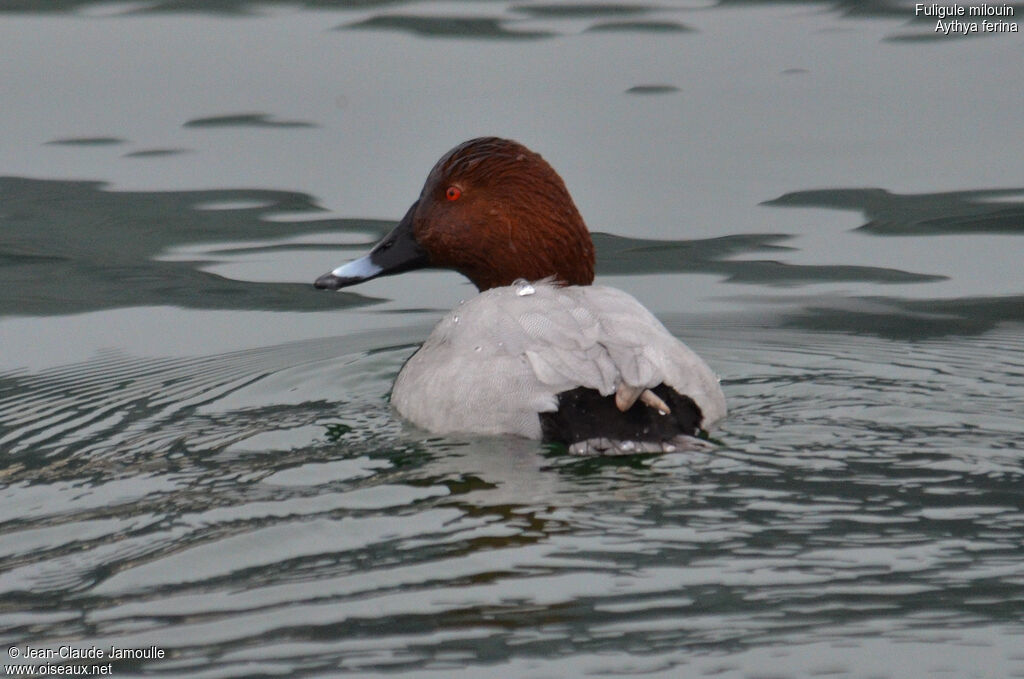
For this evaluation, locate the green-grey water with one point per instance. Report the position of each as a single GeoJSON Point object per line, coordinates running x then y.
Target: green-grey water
{"type": "Point", "coordinates": [197, 454]}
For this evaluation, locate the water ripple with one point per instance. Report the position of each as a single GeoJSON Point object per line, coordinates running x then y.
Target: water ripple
{"type": "Point", "coordinates": [845, 503]}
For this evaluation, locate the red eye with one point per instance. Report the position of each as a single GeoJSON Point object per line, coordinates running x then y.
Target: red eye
{"type": "Point", "coordinates": [453, 193]}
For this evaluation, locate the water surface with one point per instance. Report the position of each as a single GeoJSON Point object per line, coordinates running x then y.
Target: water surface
{"type": "Point", "coordinates": [196, 448]}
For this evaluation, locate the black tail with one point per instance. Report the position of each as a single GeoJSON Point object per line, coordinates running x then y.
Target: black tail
{"type": "Point", "coordinates": [585, 414]}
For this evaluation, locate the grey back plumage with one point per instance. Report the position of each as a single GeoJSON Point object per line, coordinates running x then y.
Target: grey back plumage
{"type": "Point", "coordinates": [497, 360]}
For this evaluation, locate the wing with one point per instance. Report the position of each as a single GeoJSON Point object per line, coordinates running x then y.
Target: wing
{"type": "Point", "coordinates": [499, 359]}
{"type": "Point", "coordinates": [606, 340]}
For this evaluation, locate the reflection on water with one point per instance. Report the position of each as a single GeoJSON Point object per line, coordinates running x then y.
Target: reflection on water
{"type": "Point", "coordinates": [618, 255]}
{"type": "Point", "coordinates": [862, 490]}
{"type": "Point", "coordinates": [501, 25]}
{"type": "Point", "coordinates": [447, 27]}
{"type": "Point", "coordinates": [246, 120]}
{"type": "Point", "coordinates": [909, 319]}
{"type": "Point", "coordinates": [154, 153]}
{"type": "Point", "coordinates": [88, 141]}
{"type": "Point", "coordinates": [56, 254]}
{"type": "Point", "coordinates": [991, 211]}
{"type": "Point", "coordinates": [184, 478]}
{"type": "Point", "coordinates": [58, 259]}
{"type": "Point", "coordinates": [929, 214]}
{"type": "Point", "coordinates": [567, 10]}
{"type": "Point", "coordinates": [652, 89]}
{"type": "Point", "coordinates": [641, 27]}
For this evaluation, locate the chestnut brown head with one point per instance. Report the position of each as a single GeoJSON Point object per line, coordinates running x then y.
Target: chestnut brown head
{"type": "Point", "coordinates": [492, 210]}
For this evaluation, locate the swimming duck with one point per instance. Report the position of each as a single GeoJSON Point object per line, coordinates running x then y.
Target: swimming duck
{"type": "Point", "coordinates": [540, 352]}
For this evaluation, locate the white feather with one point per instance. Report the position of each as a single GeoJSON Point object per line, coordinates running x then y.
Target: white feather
{"type": "Point", "coordinates": [491, 366]}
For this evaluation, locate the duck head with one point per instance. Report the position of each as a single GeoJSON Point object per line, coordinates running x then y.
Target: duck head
{"type": "Point", "coordinates": [494, 211]}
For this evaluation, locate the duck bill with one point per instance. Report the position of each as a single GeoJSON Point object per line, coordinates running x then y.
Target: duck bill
{"type": "Point", "coordinates": [399, 251]}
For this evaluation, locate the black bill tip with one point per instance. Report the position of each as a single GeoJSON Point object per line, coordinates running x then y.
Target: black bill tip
{"type": "Point", "coordinates": [328, 282]}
